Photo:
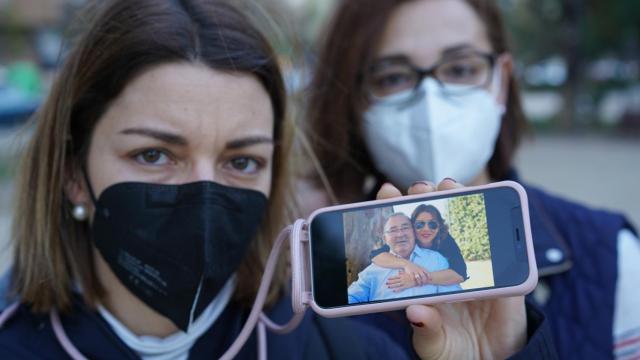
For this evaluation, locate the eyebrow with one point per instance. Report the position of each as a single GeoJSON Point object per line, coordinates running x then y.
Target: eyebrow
{"type": "Point", "coordinates": [176, 139]}
{"type": "Point", "coordinates": [248, 141]}
{"type": "Point", "coordinates": [456, 48]}
{"type": "Point", "coordinates": [163, 136]}
{"type": "Point", "coordinates": [400, 57]}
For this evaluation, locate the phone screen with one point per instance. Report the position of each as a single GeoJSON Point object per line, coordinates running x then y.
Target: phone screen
{"type": "Point", "coordinates": [470, 241]}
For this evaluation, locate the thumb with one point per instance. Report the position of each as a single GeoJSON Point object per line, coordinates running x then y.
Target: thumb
{"type": "Point", "coordinates": [428, 332]}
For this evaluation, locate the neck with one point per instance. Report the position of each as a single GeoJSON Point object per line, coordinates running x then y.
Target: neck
{"type": "Point", "coordinates": [139, 318]}
{"type": "Point", "coordinates": [481, 179]}
{"type": "Point", "coordinates": [405, 256]}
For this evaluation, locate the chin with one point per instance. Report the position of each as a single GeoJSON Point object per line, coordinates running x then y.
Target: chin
{"type": "Point", "coordinates": [426, 243]}
{"type": "Point", "coordinates": [401, 249]}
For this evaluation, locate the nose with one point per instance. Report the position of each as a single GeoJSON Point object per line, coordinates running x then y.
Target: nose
{"type": "Point", "coordinates": [400, 236]}
{"type": "Point", "coordinates": [202, 170]}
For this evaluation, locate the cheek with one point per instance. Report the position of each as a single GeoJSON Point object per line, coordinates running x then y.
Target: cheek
{"type": "Point", "coordinates": [103, 167]}
{"type": "Point", "coordinates": [266, 182]}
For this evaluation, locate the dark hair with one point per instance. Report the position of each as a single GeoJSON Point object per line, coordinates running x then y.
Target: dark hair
{"type": "Point", "coordinates": [337, 98]}
{"type": "Point", "coordinates": [121, 40]}
{"type": "Point", "coordinates": [443, 228]}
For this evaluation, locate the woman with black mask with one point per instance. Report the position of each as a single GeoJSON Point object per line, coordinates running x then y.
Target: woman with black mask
{"type": "Point", "coordinates": [151, 192]}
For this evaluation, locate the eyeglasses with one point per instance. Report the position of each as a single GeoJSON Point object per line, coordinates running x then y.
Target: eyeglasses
{"type": "Point", "coordinates": [433, 225]}
{"type": "Point", "coordinates": [395, 79]}
{"type": "Point", "coordinates": [397, 230]}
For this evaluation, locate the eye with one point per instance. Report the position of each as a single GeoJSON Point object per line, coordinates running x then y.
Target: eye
{"type": "Point", "coordinates": [392, 80]}
{"type": "Point", "coordinates": [153, 157]}
{"type": "Point", "coordinates": [245, 165]}
{"type": "Point", "coordinates": [461, 71]}
{"type": "Point", "coordinates": [467, 71]}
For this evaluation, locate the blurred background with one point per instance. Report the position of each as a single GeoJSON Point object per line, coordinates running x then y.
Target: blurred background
{"type": "Point", "coordinates": [578, 62]}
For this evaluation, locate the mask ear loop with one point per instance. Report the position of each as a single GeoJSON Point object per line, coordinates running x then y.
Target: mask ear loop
{"type": "Point", "coordinates": [496, 85]}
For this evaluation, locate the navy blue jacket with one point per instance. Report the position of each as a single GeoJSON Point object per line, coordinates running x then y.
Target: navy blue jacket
{"type": "Point", "coordinates": [30, 336]}
{"type": "Point", "coordinates": [577, 257]}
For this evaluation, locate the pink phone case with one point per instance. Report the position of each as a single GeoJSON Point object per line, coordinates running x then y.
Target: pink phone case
{"type": "Point", "coordinates": [302, 295]}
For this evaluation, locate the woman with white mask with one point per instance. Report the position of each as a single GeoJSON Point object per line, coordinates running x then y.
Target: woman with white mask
{"type": "Point", "coordinates": [411, 92]}
{"type": "Point", "coordinates": [151, 194]}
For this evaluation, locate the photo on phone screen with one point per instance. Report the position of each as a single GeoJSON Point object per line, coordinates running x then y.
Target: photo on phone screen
{"type": "Point", "coordinates": [424, 247]}
{"type": "Point", "coordinates": [448, 238]}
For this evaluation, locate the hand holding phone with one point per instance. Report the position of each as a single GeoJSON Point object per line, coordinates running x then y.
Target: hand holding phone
{"type": "Point", "coordinates": [445, 331]}
{"type": "Point", "coordinates": [347, 280]}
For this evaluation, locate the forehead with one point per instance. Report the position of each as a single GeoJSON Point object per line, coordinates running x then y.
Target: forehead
{"type": "Point", "coordinates": [424, 29]}
{"type": "Point", "coordinates": [200, 103]}
{"type": "Point", "coordinates": [424, 216]}
{"type": "Point", "coordinates": [397, 220]}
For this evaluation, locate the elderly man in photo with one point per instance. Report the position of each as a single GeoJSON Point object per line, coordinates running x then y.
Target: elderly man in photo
{"type": "Point", "coordinates": [399, 236]}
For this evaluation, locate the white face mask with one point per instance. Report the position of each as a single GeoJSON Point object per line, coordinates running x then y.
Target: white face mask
{"type": "Point", "coordinates": [435, 135]}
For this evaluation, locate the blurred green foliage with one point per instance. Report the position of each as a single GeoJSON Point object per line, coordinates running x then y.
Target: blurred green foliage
{"type": "Point", "coordinates": [582, 33]}
{"type": "Point", "coordinates": [468, 226]}
{"type": "Point", "coordinates": [594, 28]}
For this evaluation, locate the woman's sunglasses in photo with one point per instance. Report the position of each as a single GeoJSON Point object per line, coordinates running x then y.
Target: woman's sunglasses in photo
{"type": "Point", "coordinates": [419, 225]}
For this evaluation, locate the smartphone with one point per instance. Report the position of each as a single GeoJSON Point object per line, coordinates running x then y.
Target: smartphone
{"type": "Point", "coordinates": [473, 243]}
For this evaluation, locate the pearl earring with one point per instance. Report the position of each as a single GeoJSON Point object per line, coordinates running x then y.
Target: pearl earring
{"type": "Point", "coordinates": [80, 212]}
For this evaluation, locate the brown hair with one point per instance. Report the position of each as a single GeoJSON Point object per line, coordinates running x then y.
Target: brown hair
{"type": "Point", "coordinates": [337, 99]}
{"type": "Point", "coordinates": [443, 229]}
{"type": "Point", "coordinates": [53, 253]}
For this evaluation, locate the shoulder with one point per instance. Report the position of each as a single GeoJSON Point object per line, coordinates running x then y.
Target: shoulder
{"type": "Point", "coordinates": [576, 223]}
{"type": "Point", "coordinates": [560, 209]}
{"type": "Point", "coordinates": [568, 234]}
{"type": "Point", "coordinates": [373, 270]}
{"type": "Point", "coordinates": [449, 247]}
{"type": "Point", "coordinates": [428, 253]}
{"type": "Point", "coordinates": [26, 335]}
{"type": "Point", "coordinates": [30, 335]}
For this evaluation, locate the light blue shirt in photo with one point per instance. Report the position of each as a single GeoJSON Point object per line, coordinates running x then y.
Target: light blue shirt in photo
{"type": "Point", "coordinates": [371, 284]}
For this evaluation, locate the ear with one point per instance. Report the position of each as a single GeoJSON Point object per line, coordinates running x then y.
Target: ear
{"type": "Point", "coordinates": [75, 188]}
{"type": "Point", "coordinates": [504, 63]}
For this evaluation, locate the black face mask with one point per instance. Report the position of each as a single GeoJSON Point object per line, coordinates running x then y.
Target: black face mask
{"type": "Point", "coordinates": [175, 246]}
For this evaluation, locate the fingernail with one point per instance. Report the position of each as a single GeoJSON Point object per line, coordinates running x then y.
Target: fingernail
{"type": "Point", "coordinates": [418, 324]}
{"type": "Point", "coordinates": [450, 179]}
{"type": "Point", "coordinates": [423, 182]}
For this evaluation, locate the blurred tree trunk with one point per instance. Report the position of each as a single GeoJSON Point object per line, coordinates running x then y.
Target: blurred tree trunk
{"type": "Point", "coordinates": [363, 233]}
{"type": "Point", "coordinates": [572, 15]}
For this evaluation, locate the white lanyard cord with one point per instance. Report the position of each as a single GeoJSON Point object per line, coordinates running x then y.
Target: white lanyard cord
{"type": "Point", "coordinates": [62, 337]}
{"type": "Point", "coordinates": [256, 316]}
